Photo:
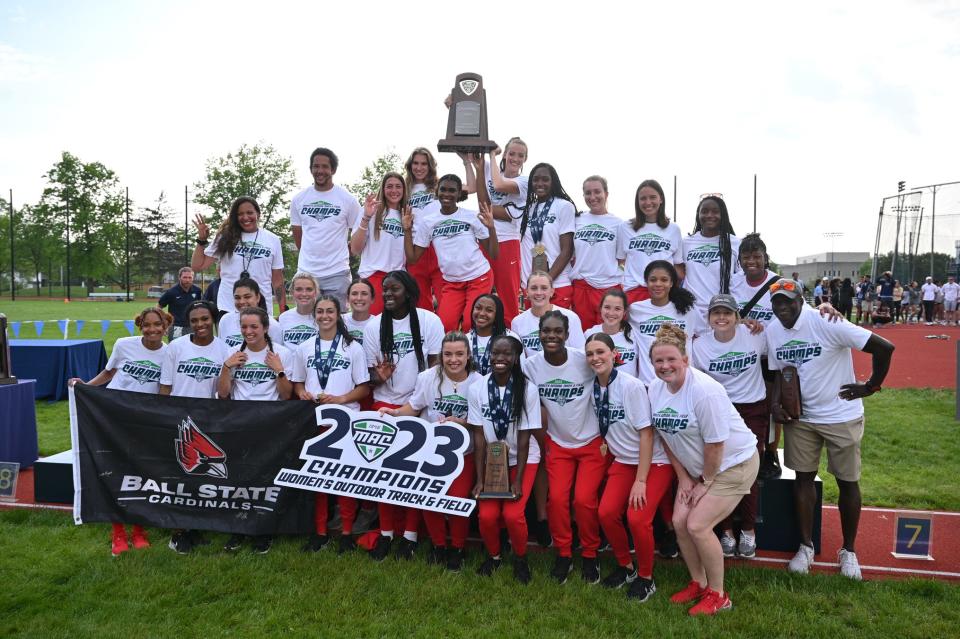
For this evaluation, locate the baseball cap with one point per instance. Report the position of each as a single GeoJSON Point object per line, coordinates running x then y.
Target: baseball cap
{"type": "Point", "coordinates": [723, 300]}
{"type": "Point", "coordinates": [787, 287]}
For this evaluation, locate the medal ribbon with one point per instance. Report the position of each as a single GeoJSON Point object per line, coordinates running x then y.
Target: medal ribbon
{"type": "Point", "coordinates": [243, 257]}
{"type": "Point", "coordinates": [324, 366]}
{"type": "Point", "coordinates": [538, 220]}
{"type": "Point", "coordinates": [500, 409]}
{"type": "Point", "coordinates": [601, 402]}
{"type": "Point", "coordinates": [482, 362]}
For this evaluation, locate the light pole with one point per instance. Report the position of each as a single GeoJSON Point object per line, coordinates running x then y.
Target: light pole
{"type": "Point", "coordinates": [832, 236]}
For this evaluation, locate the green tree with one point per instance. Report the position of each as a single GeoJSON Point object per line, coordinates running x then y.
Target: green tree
{"type": "Point", "coordinates": [38, 243]}
{"type": "Point", "coordinates": [154, 242]}
{"type": "Point", "coordinates": [915, 267]}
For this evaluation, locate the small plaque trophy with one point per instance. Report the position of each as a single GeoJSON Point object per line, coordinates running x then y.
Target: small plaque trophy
{"type": "Point", "coordinates": [790, 397]}
{"type": "Point", "coordinates": [540, 262]}
{"type": "Point", "coordinates": [496, 478]}
{"type": "Point", "coordinates": [467, 120]}
{"type": "Point", "coordinates": [6, 366]}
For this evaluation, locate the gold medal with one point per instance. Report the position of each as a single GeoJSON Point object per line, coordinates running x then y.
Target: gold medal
{"type": "Point", "coordinates": [539, 249]}
{"type": "Point", "coordinates": [603, 448]}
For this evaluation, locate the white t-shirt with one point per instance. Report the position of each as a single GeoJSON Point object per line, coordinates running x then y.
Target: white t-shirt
{"type": "Point", "coordinates": [950, 291]}
{"type": "Point", "coordinates": [255, 380]}
{"type": "Point", "coordinates": [229, 330]}
{"type": "Point", "coordinates": [399, 387]}
{"type": "Point", "coordinates": [646, 319]}
{"type": "Point", "coordinates": [527, 326]}
{"type": "Point", "coordinates": [650, 243]}
{"type": "Point", "coordinates": [820, 350]}
{"type": "Point", "coordinates": [735, 364]}
{"type": "Point", "coordinates": [702, 258]}
{"type": "Point", "coordinates": [295, 328]}
{"type": "Point", "coordinates": [481, 347]}
{"type": "Point", "coordinates": [138, 368]}
{"type": "Point", "coordinates": [259, 253]}
{"type": "Point", "coordinates": [565, 393]}
{"type": "Point", "coordinates": [420, 197]}
{"type": "Point", "coordinates": [741, 290]}
{"type": "Point", "coordinates": [700, 413]}
{"type": "Point", "coordinates": [560, 220]}
{"type": "Point", "coordinates": [325, 217]}
{"type": "Point", "coordinates": [507, 231]}
{"type": "Point", "coordinates": [629, 414]}
{"type": "Point", "coordinates": [595, 250]}
{"type": "Point", "coordinates": [454, 238]}
{"type": "Point", "coordinates": [384, 254]}
{"type": "Point", "coordinates": [479, 415]}
{"type": "Point", "coordinates": [435, 399]}
{"type": "Point", "coordinates": [355, 327]}
{"type": "Point", "coordinates": [930, 291]}
{"type": "Point", "coordinates": [192, 371]}
{"type": "Point", "coordinates": [626, 350]}
{"type": "Point", "coordinates": [348, 369]}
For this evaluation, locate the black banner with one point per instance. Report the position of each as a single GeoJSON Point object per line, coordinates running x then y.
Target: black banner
{"type": "Point", "coordinates": [180, 462]}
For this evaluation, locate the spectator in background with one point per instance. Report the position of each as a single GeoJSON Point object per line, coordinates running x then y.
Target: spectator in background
{"type": "Point", "coordinates": [834, 291]}
{"type": "Point", "coordinates": [938, 303]}
{"type": "Point", "coordinates": [796, 278]}
{"type": "Point", "coordinates": [818, 293]}
{"type": "Point", "coordinates": [210, 295]}
{"type": "Point", "coordinates": [928, 295]}
{"type": "Point", "coordinates": [845, 298]}
{"type": "Point", "coordinates": [885, 293]}
{"type": "Point", "coordinates": [176, 299]}
{"type": "Point", "coordinates": [869, 302]}
{"type": "Point", "coordinates": [898, 292]}
{"type": "Point", "coordinates": [951, 290]}
{"type": "Point", "coordinates": [862, 287]}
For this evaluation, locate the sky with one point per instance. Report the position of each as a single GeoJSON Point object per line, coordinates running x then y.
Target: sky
{"type": "Point", "coordinates": [829, 104]}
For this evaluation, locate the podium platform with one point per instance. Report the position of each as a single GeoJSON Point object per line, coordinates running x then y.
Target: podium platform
{"type": "Point", "coordinates": [53, 478]}
{"type": "Point", "coordinates": [776, 522]}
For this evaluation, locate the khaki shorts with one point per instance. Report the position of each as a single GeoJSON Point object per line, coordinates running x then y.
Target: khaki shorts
{"type": "Point", "coordinates": [736, 480]}
{"type": "Point", "coordinates": [803, 442]}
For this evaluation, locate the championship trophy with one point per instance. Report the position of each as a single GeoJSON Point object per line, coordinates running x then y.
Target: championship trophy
{"type": "Point", "coordinates": [467, 120]}
{"type": "Point", "coordinates": [496, 476]}
{"type": "Point", "coordinates": [6, 366]}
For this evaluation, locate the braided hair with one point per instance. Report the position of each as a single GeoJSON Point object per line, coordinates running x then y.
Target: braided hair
{"type": "Point", "coordinates": [726, 230]}
{"type": "Point", "coordinates": [751, 243]}
{"type": "Point", "coordinates": [679, 297]}
{"type": "Point", "coordinates": [556, 190]}
{"type": "Point", "coordinates": [519, 380]}
{"type": "Point", "coordinates": [412, 294]}
{"type": "Point", "coordinates": [166, 319]}
{"type": "Point", "coordinates": [264, 321]}
{"type": "Point", "coordinates": [558, 315]}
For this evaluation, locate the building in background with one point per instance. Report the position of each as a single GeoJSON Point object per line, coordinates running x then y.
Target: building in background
{"type": "Point", "coordinates": [814, 267]}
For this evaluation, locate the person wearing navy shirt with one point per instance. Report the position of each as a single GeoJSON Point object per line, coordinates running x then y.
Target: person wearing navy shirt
{"type": "Point", "coordinates": [177, 298]}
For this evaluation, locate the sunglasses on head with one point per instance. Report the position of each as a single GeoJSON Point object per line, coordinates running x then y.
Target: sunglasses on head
{"type": "Point", "coordinates": [784, 286]}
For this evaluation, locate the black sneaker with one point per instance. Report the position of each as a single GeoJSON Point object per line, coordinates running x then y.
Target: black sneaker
{"type": "Point", "coordinates": [490, 566]}
{"type": "Point", "coordinates": [180, 543]}
{"type": "Point", "coordinates": [590, 570]}
{"type": "Point", "coordinates": [541, 532]}
{"type": "Point", "coordinates": [406, 549]}
{"type": "Point", "coordinates": [455, 559]}
{"type": "Point", "coordinates": [197, 538]}
{"type": "Point", "coordinates": [769, 465]}
{"type": "Point", "coordinates": [234, 543]}
{"type": "Point", "coordinates": [316, 543]}
{"type": "Point", "coordinates": [668, 545]}
{"type": "Point", "coordinates": [521, 570]}
{"type": "Point", "coordinates": [380, 551]}
{"type": "Point", "coordinates": [346, 544]}
{"type": "Point", "coordinates": [561, 568]}
{"type": "Point", "coordinates": [262, 543]}
{"type": "Point", "coordinates": [437, 555]}
{"type": "Point", "coordinates": [619, 577]}
{"type": "Point", "coordinates": [641, 589]}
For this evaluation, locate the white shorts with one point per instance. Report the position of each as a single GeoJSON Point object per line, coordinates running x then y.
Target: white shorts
{"type": "Point", "coordinates": [949, 305]}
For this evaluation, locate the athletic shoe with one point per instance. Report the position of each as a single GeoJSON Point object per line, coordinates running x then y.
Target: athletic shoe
{"type": "Point", "coordinates": [802, 560]}
{"type": "Point", "coordinates": [590, 570]}
{"type": "Point", "coordinates": [234, 543]}
{"type": "Point", "coordinates": [382, 549]}
{"type": "Point", "coordinates": [562, 567]}
{"type": "Point", "coordinates": [711, 603]}
{"type": "Point", "coordinates": [346, 544]}
{"type": "Point", "coordinates": [747, 549]}
{"type": "Point", "coordinates": [180, 543]}
{"type": "Point", "coordinates": [119, 542]}
{"type": "Point", "coordinates": [641, 589]}
{"type": "Point", "coordinates": [619, 577]}
{"type": "Point", "coordinates": [366, 517]}
{"type": "Point", "coordinates": [849, 566]}
{"type": "Point", "coordinates": [693, 592]}
{"type": "Point", "coordinates": [541, 532]}
{"type": "Point", "coordinates": [490, 566]}
{"type": "Point", "coordinates": [769, 465]}
{"type": "Point", "coordinates": [521, 570]}
{"type": "Point", "coordinates": [197, 538]}
{"type": "Point", "coordinates": [262, 543]}
{"type": "Point", "coordinates": [406, 549]}
{"type": "Point", "coordinates": [316, 543]}
{"type": "Point", "coordinates": [729, 546]}
{"type": "Point", "coordinates": [668, 545]}
{"type": "Point", "coordinates": [437, 555]}
{"type": "Point", "coordinates": [140, 538]}
{"type": "Point", "coordinates": [455, 559]}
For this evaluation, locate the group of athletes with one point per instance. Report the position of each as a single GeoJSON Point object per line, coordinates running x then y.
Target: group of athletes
{"type": "Point", "coordinates": [616, 376]}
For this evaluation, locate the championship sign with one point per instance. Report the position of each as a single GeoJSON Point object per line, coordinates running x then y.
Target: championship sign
{"type": "Point", "coordinates": [405, 461]}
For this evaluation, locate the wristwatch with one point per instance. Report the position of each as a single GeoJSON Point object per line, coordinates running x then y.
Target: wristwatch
{"type": "Point", "coordinates": [281, 374]}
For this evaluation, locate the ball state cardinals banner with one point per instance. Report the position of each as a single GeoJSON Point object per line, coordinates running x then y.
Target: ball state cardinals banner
{"type": "Point", "coordinates": [405, 461]}
{"type": "Point", "coordinates": [179, 462]}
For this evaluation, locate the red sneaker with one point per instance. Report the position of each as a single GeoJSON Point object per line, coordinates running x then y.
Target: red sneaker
{"type": "Point", "coordinates": [119, 543]}
{"type": "Point", "coordinates": [711, 603]}
{"type": "Point", "coordinates": [693, 592]}
{"type": "Point", "coordinates": [140, 538]}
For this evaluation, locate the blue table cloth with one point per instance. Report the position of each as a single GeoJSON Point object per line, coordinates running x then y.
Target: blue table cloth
{"type": "Point", "coordinates": [18, 423]}
{"type": "Point", "coordinates": [53, 361]}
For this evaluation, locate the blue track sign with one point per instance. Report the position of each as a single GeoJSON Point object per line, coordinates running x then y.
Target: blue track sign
{"type": "Point", "coordinates": [8, 480]}
{"type": "Point", "coordinates": [913, 537]}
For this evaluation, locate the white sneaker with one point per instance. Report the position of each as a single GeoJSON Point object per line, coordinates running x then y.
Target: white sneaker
{"type": "Point", "coordinates": [849, 566]}
{"type": "Point", "coordinates": [729, 546]}
{"type": "Point", "coordinates": [802, 560]}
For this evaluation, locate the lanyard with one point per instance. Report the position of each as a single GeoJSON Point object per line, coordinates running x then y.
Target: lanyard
{"type": "Point", "coordinates": [482, 362]}
{"type": "Point", "coordinates": [538, 220]}
{"type": "Point", "coordinates": [324, 366]}
{"type": "Point", "coordinates": [601, 402]}
{"type": "Point", "coordinates": [500, 408]}
{"type": "Point", "coordinates": [243, 256]}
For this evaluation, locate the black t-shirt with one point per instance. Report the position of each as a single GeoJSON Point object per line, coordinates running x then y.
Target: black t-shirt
{"type": "Point", "coordinates": [177, 300]}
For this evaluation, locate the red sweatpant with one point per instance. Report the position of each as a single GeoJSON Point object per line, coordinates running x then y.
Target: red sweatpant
{"type": "Point", "coordinates": [348, 513]}
{"type": "Point", "coordinates": [429, 279]}
{"type": "Point", "coordinates": [583, 469]}
{"type": "Point", "coordinates": [506, 277]}
{"type": "Point", "coordinates": [457, 298]}
{"type": "Point", "coordinates": [563, 296]}
{"type": "Point", "coordinates": [397, 519]}
{"type": "Point", "coordinates": [459, 526]}
{"type": "Point", "coordinates": [586, 302]}
{"type": "Point", "coordinates": [637, 294]}
{"type": "Point", "coordinates": [620, 478]}
{"type": "Point", "coordinates": [376, 279]}
{"type": "Point", "coordinates": [511, 512]}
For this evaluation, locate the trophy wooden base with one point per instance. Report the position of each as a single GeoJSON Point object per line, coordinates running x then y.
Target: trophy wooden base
{"type": "Point", "coordinates": [496, 495]}
{"type": "Point", "coordinates": [453, 145]}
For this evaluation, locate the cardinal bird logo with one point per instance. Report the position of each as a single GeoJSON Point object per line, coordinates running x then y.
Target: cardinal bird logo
{"type": "Point", "coordinates": [197, 453]}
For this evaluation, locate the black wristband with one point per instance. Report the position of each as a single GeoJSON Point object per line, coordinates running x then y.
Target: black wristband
{"type": "Point", "coordinates": [202, 242]}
